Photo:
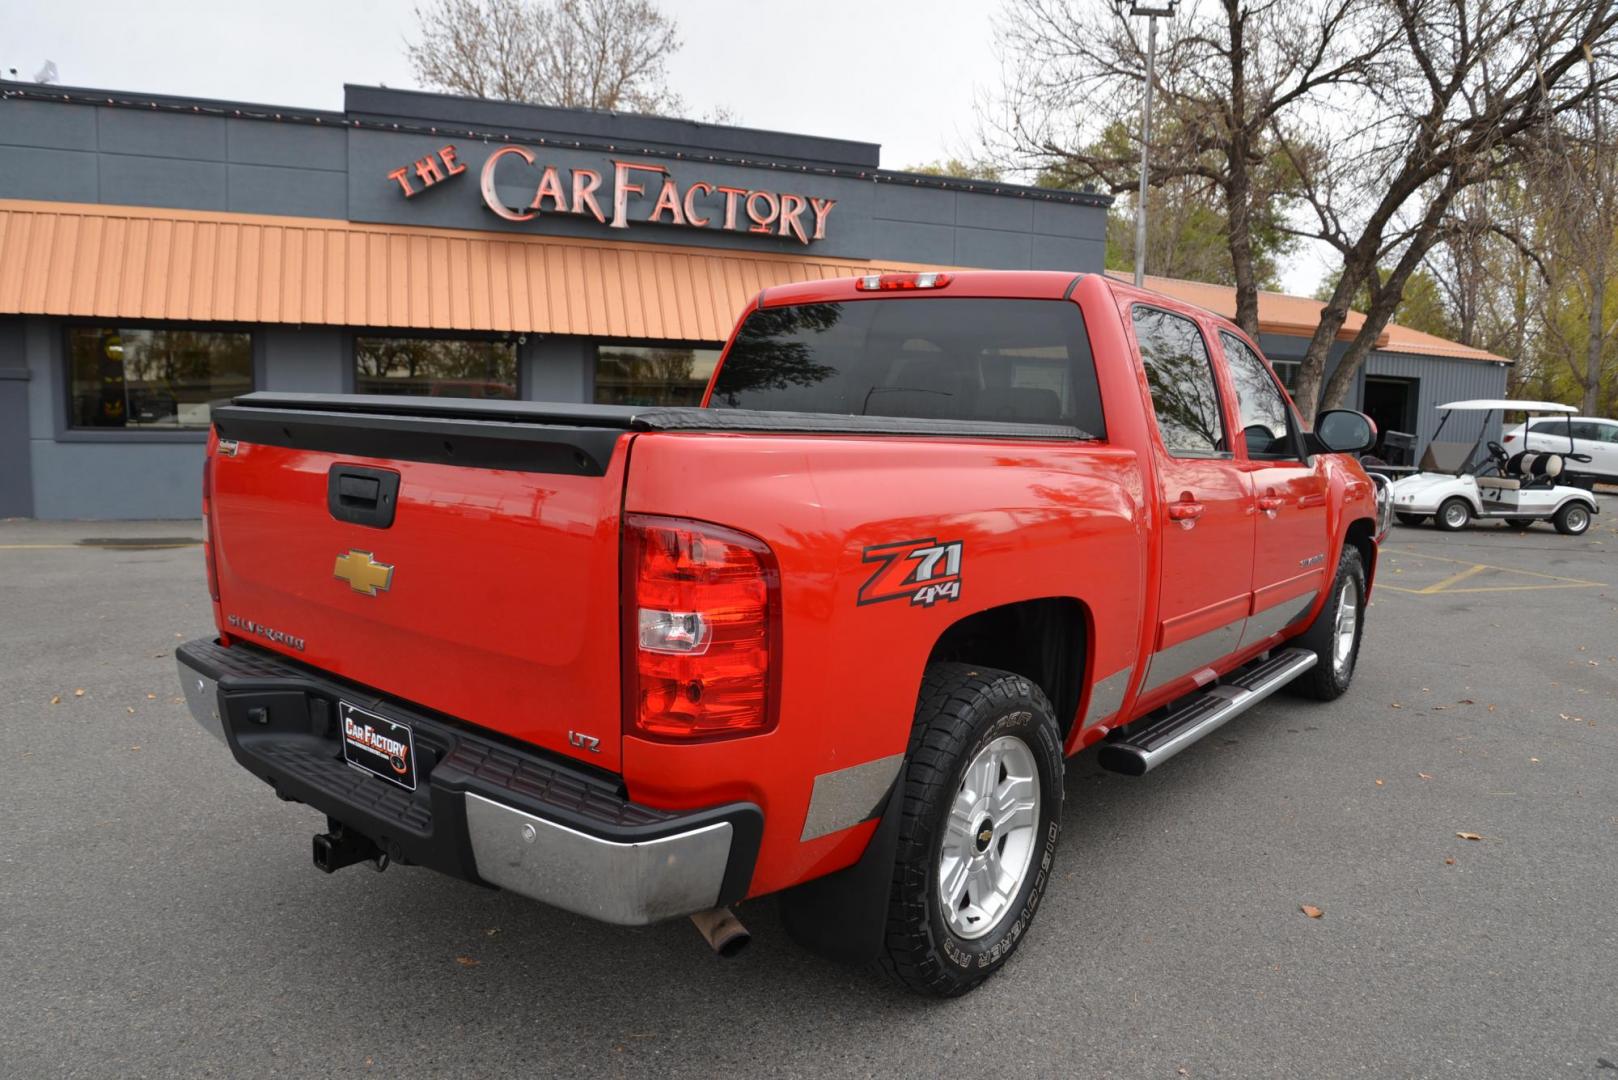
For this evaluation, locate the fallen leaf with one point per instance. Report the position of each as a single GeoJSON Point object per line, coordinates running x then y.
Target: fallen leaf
{"type": "Point", "coordinates": [1311, 911]}
{"type": "Point", "coordinates": [1379, 783]}
{"type": "Point", "coordinates": [491, 931]}
{"type": "Point", "coordinates": [1469, 836]}
{"type": "Point", "coordinates": [466, 961]}
{"type": "Point", "coordinates": [134, 748]}
{"type": "Point", "coordinates": [151, 697]}
{"type": "Point", "coordinates": [56, 699]}
{"type": "Point", "coordinates": [1466, 701]}
{"type": "Point", "coordinates": [1425, 776]}
{"type": "Point", "coordinates": [1395, 705]}
{"type": "Point", "coordinates": [1440, 708]}
{"type": "Point", "coordinates": [1534, 760]}
{"type": "Point", "coordinates": [1449, 862]}
{"type": "Point", "coordinates": [79, 692]}
{"type": "Point", "coordinates": [131, 709]}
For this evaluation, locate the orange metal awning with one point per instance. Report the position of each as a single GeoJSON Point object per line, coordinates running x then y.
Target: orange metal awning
{"type": "Point", "coordinates": [131, 262]}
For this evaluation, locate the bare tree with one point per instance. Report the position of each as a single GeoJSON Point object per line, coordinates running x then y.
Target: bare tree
{"type": "Point", "coordinates": [1581, 185]}
{"type": "Point", "coordinates": [592, 54]}
{"type": "Point", "coordinates": [1230, 74]}
{"type": "Point", "coordinates": [1477, 80]}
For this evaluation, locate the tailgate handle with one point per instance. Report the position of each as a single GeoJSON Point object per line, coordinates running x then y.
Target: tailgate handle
{"type": "Point", "coordinates": [362, 495]}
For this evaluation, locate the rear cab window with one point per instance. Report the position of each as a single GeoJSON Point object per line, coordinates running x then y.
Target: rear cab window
{"type": "Point", "coordinates": [955, 358]}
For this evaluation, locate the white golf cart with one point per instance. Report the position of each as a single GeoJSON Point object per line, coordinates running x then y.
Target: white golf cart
{"type": "Point", "coordinates": [1459, 481]}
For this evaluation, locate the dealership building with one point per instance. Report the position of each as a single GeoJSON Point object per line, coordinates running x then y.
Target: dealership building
{"type": "Point", "coordinates": [158, 253]}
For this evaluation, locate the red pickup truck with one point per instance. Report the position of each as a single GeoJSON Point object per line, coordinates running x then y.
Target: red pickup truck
{"type": "Point", "coordinates": [831, 635]}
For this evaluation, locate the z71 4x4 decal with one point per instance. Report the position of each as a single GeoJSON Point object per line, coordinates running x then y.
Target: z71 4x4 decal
{"type": "Point", "coordinates": [924, 571]}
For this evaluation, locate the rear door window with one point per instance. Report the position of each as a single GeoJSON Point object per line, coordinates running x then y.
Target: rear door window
{"type": "Point", "coordinates": [1180, 374]}
{"type": "Point", "coordinates": [968, 358]}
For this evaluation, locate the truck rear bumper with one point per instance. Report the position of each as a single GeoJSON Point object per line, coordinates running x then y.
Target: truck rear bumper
{"type": "Point", "coordinates": [484, 809]}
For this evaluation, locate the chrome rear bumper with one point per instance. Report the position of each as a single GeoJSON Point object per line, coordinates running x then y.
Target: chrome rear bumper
{"type": "Point", "coordinates": [481, 810]}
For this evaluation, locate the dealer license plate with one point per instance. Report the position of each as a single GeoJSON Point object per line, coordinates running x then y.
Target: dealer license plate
{"type": "Point", "coordinates": [378, 745]}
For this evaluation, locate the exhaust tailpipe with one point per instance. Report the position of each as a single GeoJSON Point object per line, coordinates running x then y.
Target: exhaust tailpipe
{"type": "Point", "coordinates": [723, 932]}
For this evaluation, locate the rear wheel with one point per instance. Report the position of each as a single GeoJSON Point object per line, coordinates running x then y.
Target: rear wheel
{"type": "Point", "coordinates": [1410, 519]}
{"type": "Point", "coordinates": [1454, 515]}
{"type": "Point", "coordinates": [1572, 519]}
{"type": "Point", "coordinates": [1334, 636]}
{"type": "Point", "coordinates": [982, 791]}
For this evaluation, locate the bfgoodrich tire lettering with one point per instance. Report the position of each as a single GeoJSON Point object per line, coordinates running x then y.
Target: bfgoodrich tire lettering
{"type": "Point", "coordinates": [961, 711]}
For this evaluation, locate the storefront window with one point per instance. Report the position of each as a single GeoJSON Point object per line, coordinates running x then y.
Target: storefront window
{"type": "Point", "coordinates": [652, 375]}
{"type": "Point", "coordinates": [154, 379]}
{"type": "Point", "coordinates": [435, 367]}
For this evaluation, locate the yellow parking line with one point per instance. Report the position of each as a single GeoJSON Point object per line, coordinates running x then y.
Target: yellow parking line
{"type": "Point", "coordinates": [1503, 569]}
{"type": "Point", "coordinates": [1471, 571]}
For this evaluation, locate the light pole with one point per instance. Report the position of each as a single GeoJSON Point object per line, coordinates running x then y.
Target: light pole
{"type": "Point", "coordinates": [1152, 13]}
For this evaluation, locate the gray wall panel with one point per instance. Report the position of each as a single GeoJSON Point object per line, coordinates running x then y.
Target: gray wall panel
{"type": "Point", "coordinates": [254, 142]}
{"type": "Point", "coordinates": [27, 172]}
{"type": "Point", "coordinates": [310, 360]}
{"type": "Point", "coordinates": [1067, 219]}
{"type": "Point", "coordinates": [993, 248]}
{"type": "Point", "coordinates": [56, 126]}
{"type": "Point", "coordinates": [155, 181]}
{"type": "Point", "coordinates": [901, 202]}
{"type": "Point", "coordinates": [267, 189]}
{"type": "Point", "coordinates": [908, 241]}
{"type": "Point", "coordinates": [16, 473]}
{"type": "Point", "coordinates": [993, 212]}
{"type": "Point", "coordinates": [1066, 253]}
{"type": "Point", "coordinates": [160, 134]}
{"type": "Point", "coordinates": [129, 480]}
{"type": "Point", "coordinates": [558, 369]}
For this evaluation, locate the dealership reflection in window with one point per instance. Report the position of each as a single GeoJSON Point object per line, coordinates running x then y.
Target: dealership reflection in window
{"type": "Point", "coordinates": [154, 379]}
{"type": "Point", "coordinates": [435, 367]}
{"type": "Point", "coordinates": [652, 374]}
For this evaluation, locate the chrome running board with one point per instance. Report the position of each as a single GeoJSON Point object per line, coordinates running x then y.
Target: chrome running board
{"type": "Point", "coordinates": [1138, 752]}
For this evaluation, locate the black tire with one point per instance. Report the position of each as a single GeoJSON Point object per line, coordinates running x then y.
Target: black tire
{"type": "Point", "coordinates": [1329, 679]}
{"type": "Point", "coordinates": [961, 710]}
{"type": "Point", "coordinates": [1453, 515]}
{"type": "Point", "coordinates": [1519, 523]}
{"type": "Point", "coordinates": [1573, 519]}
{"type": "Point", "coordinates": [1410, 519]}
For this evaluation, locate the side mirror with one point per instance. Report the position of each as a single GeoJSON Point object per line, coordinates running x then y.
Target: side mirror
{"type": "Point", "coordinates": [1344, 431]}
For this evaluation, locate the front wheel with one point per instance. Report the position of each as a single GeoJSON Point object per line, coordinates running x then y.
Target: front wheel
{"type": "Point", "coordinates": [1573, 519]}
{"type": "Point", "coordinates": [1409, 519]}
{"type": "Point", "coordinates": [1334, 636]}
{"type": "Point", "coordinates": [1454, 515]}
{"type": "Point", "coordinates": [982, 810]}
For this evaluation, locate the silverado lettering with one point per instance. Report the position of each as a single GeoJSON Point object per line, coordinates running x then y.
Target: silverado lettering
{"type": "Point", "coordinates": [758, 609]}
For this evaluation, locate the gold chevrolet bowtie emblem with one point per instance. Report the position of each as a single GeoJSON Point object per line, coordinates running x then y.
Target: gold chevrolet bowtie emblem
{"type": "Point", "coordinates": [363, 573]}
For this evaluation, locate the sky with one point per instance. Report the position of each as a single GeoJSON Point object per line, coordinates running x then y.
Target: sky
{"type": "Point", "coordinates": [902, 73]}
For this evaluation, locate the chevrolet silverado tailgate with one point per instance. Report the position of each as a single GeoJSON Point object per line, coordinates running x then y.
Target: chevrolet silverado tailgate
{"type": "Point", "coordinates": [459, 555]}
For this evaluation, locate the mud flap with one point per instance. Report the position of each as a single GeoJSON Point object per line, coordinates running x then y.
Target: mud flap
{"type": "Point", "coordinates": [844, 914]}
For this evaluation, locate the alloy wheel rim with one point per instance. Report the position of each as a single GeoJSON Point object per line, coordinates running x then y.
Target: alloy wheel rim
{"type": "Point", "coordinates": [1346, 626]}
{"type": "Point", "coordinates": [1455, 515]}
{"type": "Point", "coordinates": [1577, 519]}
{"type": "Point", "coordinates": [989, 837]}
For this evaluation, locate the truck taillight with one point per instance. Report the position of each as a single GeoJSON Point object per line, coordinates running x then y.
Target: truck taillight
{"type": "Point", "coordinates": [701, 630]}
{"type": "Point", "coordinates": [207, 525]}
{"type": "Point", "coordinates": [887, 282]}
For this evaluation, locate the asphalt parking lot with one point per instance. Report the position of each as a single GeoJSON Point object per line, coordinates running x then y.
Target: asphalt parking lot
{"type": "Point", "coordinates": [161, 916]}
